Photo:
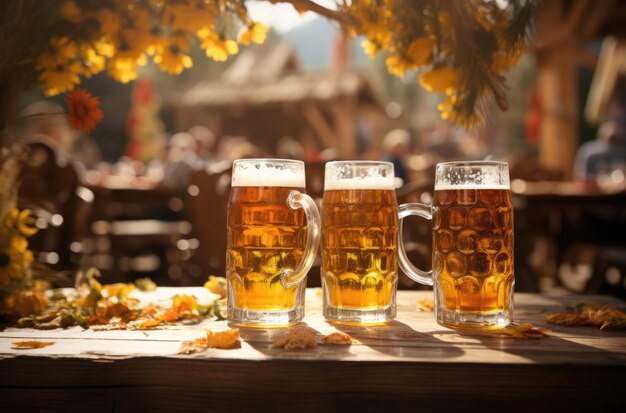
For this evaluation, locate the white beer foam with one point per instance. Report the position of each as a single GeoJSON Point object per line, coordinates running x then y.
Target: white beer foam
{"type": "Point", "coordinates": [375, 182]}
{"type": "Point", "coordinates": [265, 176]}
{"type": "Point", "coordinates": [451, 187]}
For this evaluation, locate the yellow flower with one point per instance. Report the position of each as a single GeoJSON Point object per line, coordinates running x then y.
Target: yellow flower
{"type": "Point", "coordinates": [61, 80]}
{"type": "Point", "coordinates": [420, 51]}
{"type": "Point", "coordinates": [25, 223]}
{"type": "Point", "coordinates": [398, 65]}
{"type": "Point", "coordinates": [104, 48]}
{"type": "Point", "coordinates": [18, 244]}
{"type": "Point", "coordinates": [375, 43]}
{"type": "Point", "coordinates": [123, 66]}
{"type": "Point", "coordinates": [442, 79]}
{"type": "Point", "coordinates": [254, 32]}
{"type": "Point", "coordinates": [446, 107]}
{"type": "Point", "coordinates": [370, 48]}
{"type": "Point", "coordinates": [218, 49]}
{"type": "Point", "coordinates": [15, 260]}
{"type": "Point", "coordinates": [171, 55]}
{"type": "Point", "coordinates": [64, 48]}
{"type": "Point", "coordinates": [139, 40]}
{"type": "Point", "coordinates": [93, 62]}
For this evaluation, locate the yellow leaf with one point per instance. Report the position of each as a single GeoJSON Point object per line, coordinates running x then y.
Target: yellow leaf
{"type": "Point", "coordinates": [337, 339]}
{"type": "Point", "coordinates": [27, 345]}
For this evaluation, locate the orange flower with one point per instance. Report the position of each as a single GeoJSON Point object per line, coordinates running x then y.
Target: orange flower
{"type": "Point", "coordinates": [84, 110]}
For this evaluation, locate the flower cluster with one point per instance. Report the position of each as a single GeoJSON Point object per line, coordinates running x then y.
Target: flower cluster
{"type": "Point", "coordinates": [120, 35]}
{"type": "Point", "coordinates": [15, 257]}
{"type": "Point", "coordinates": [462, 47]}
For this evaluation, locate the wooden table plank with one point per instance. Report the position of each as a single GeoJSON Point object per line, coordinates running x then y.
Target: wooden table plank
{"type": "Point", "coordinates": [411, 363]}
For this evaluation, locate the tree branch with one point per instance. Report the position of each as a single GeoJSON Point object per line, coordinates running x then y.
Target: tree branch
{"type": "Point", "coordinates": [310, 5]}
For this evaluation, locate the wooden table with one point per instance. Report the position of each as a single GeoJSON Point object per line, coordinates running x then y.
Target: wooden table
{"type": "Point", "coordinates": [411, 365]}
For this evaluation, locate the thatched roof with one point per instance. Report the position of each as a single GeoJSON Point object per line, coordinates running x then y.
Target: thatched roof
{"type": "Point", "coordinates": [273, 75]}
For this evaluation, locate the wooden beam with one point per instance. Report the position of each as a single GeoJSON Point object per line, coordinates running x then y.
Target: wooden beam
{"type": "Point", "coordinates": [319, 124]}
{"type": "Point", "coordinates": [344, 118]}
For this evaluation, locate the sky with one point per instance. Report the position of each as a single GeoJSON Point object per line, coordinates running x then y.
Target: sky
{"type": "Point", "coordinates": [282, 17]}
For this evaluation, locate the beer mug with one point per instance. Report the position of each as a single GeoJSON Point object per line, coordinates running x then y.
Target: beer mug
{"type": "Point", "coordinates": [359, 242]}
{"type": "Point", "coordinates": [472, 255]}
{"type": "Point", "coordinates": [272, 241]}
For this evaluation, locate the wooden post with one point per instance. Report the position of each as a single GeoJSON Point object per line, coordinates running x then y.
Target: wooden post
{"type": "Point", "coordinates": [343, 112]}
{"type": "Point", "coordinates": [557, 81]}
{"type": "Point", "coordinates": [557, 50]}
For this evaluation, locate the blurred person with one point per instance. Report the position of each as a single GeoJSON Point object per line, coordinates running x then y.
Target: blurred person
{"type": "Point", "coordinates": [237, 147]}
{"type": "Point", "coordinates": [443, 143]}
{"type": "Point", "coordinates": [180, 163]}
{"type": "Point", "coordinates": [45, 122]}
{"type": "Point", "coordinates": [396, 145]}
{"type": "Point", "coordinates": [205, 142]}
{"type": "Point", "coordinates": [289, 148]}
{"type": "Point", "coordinates": [608, 148]}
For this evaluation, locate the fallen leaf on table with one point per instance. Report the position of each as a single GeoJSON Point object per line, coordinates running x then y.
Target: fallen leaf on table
{"type": "Point", "coordinates": [228, 339]}
{"type": "Point", "coordinates": [338, 339]}
{"type": "Point", "coordinates": [27, 345]}
{"type": "Point", "coordinates": [183, 306]}
{"type": "Point", "coordinates": [606, 317]}
{"type": "Point", "coordinates": [296, 338]}
{"type": "Point", "coordinates": [217, 285]}
{"type": "Point", "coordinates": [426, 304]}
{"type": "Point", "coordinates": [145, 284]}
{"type": "Point", "coordinates": [194, 346]}
{"type": "Point", "coordinates": [525, 331]}
{"type": "Point", "coordinates": [117, 289]}
{"type": "Point", "coordinates": [147, 324]}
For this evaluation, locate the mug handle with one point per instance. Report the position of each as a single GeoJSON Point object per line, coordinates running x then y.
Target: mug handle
{"type": "Point", "coordinates": [296, 200]}
{"type": "Point", "coordinates": [414, 273]}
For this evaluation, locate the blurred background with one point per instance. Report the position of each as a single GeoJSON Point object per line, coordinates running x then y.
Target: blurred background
{"type": "Point", "coordinates": [145, 193]}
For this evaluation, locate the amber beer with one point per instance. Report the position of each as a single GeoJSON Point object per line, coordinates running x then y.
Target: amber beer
{"type": "Point", "coordinates": [272, 239]}
{"type": "Point", "coordinates": [473, 249]}
{"type": "Point", "coordinates": [359, 243]}
{"type": "Point", "coordinates": [264, 237]}
{"type": "Point", "coordinates": [472, 271]}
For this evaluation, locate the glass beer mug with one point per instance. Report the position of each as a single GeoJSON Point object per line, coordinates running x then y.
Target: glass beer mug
{"type": "Point", "coordinates": [359, 242]}
{"type": "Point", "coordinates": [272, 241]}
{"type": "Point", "coordinates": [472, 256]}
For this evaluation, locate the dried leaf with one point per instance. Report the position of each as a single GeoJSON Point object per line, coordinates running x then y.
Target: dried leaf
{"type": "Point", "coordinates": [110, 326]}
{"type": "Point", "coordinates": [194, 346]}
{"type": "Point", "coordinates": [117, 289]}
{"type": "Point", "coordinates": [145, 284]}
{"type": "Point", "coordinates": [146, 324]}
{"type": "Point", "coordinates": [183, 306]}
{"type": "Point", "coordinates": [23, 303]}
{"type": "Point", "coordinates": [217, 309]}
{"type": "Point", "coordinates": [227, 339]}
{"type": "Point", "coordinates": [27, 345]}
{"type": "Point", "coordinates": [426, 304]}
{"type": "Point", "coordinates": [217, 285]}
{"type": "Point", "coordinates": [296, 338]}
{"type": "Point", "coordinates": [338, 339]}
{"type": "Point", "coordinates": [592, 314]}
{"type": "Point", "coordinates": [525, 331]}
